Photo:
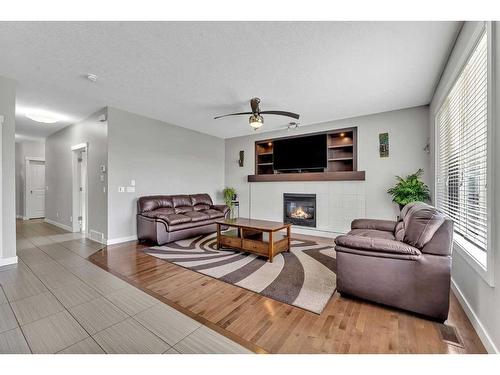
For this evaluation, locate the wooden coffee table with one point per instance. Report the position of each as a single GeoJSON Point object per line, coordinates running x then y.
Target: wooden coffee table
{"type": "Point", "coordinates": [260, 237]}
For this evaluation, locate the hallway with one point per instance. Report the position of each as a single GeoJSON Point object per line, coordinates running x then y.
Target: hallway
{"type": "Point", "coordinates": [56, 301]}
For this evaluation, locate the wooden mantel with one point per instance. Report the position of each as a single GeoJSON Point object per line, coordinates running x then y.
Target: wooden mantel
{"type": "Point", "coordinates": [318, 176]}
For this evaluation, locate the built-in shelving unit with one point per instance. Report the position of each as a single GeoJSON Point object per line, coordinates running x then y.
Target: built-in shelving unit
{"type": "Point", "coordinates": [342, 150]}
{"type": "Point", "coordinates": [341, 160]}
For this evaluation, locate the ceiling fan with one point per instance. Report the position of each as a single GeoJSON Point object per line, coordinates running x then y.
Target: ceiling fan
{"type": "Point", "coordinates": [256, 120]}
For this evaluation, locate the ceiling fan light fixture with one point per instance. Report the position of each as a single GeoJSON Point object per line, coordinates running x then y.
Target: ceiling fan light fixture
{"type": "Point", "coordinates": [256, 121]}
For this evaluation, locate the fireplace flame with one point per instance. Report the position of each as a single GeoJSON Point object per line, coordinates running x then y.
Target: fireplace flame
{"type": "Point", "coordinates": [299, 213]}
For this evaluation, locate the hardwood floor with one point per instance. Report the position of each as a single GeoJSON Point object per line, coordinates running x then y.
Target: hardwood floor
{"type": "Point", "coordinates": [267, 326]}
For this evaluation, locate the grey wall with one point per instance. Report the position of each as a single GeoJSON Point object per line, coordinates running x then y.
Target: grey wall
{"type": "Point", "coordinates": [25, 149]}
{"type": "Point", "coordinates": [58, 172]}
{"type": "Point", "coordinates": [480, 300]}
{"type": "Point", "coordinates": [408, 132]}
{"type": "Point", "coordinates": [7, 171]}
{"type": "Point", "coordinates": [162, 159]}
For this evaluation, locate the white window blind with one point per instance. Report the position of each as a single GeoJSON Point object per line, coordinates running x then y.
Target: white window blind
{"type": "Point", "coordinates": [461, 178]}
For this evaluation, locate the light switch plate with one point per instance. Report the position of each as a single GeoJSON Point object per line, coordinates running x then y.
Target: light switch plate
{"type": "Point", "coordinates": [130, 189]}
{"type": "Point", "coordinates": [132, 182]}
{"type": "Point", "coordinates": [121, 189]}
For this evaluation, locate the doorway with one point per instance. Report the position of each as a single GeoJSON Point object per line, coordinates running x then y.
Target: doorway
{"type": "Point", "coordinates": [35, 188]}
{"type": "Point", "coordinates": [80, 188]}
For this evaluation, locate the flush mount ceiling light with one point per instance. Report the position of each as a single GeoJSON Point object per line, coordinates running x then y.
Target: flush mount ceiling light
{"type": "Point", "coordinates": [42, 116]}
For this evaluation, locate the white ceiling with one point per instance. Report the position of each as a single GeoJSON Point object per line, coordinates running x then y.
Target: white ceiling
{"type": "Point", "coordinates": [185, 73]}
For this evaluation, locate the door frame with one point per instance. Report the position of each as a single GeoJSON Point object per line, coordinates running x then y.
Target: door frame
{"type": "Point", "coordinates": [75, 189]}
{"type": "Point", "coordinates": [27, 161]}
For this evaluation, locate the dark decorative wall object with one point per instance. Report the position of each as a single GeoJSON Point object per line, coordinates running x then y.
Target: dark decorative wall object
{"type": "Point", "coordinates": [383, 139]}
{"type": "Point", "coordinates": [242, 158]}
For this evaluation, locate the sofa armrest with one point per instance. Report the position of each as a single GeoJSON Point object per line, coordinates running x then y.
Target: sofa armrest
{"type": "Point", "coordinates": [385, 225]}
{"type": "Point", "coordinates": [376, 245]}
{"type": "Point", "coordinates": [220, 207]}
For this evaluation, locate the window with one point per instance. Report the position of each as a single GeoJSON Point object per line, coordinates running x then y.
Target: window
{"type": "Point", "coordinates": [461, 173]}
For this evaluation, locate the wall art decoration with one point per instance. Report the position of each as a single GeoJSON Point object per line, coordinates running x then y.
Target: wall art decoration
{"type": "Point", "coordinates": [383, 139]}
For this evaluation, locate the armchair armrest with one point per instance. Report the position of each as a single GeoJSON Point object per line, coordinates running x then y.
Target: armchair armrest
{"type": "Point", "coordinates": [376, 245]}
{"type": "Point", "coordinates": [220, 207]}
{"type": "Point", "coordinates": [385, 225]}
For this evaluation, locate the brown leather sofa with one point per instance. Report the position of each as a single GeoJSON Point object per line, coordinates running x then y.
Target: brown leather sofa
{"type": "Point", "coordinates": [168, 218]}
{"type": "Point", "coordinates": [404, 264]}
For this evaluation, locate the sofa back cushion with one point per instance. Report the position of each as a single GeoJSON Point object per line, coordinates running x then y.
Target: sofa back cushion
{"type": "Point", "coordinates": [153, 202]}
{"type": "Point", "coordinates": [442, 241]}
{"type": "Point", "coordinates": [421, 222]}
{"type": "Point", "coordinates": [181, 200]}
{"type": "Point", "coordinates": [201, 202]}
{"type": "Point", "coordinates": [178, 203]}
{"type": "Point", "coordinates": [399, 232]}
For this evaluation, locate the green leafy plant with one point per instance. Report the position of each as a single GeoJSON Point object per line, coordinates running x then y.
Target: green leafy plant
{"type": "Point", "coordinates": [229, 196]}
{"type": "Point", "coordinates": [410, 189]}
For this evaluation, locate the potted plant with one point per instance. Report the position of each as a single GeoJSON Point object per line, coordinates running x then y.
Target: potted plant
{"type": "Point", "coordinates": [410, 189]}
{"type": "Point", "coordinates": [229, 197]}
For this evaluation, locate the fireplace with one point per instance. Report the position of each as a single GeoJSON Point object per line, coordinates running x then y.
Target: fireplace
{"type": "Point", "coordinates": [299, 209]}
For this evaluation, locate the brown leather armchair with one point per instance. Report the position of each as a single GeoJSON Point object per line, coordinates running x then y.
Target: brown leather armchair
{"type": "Point", "coordinates": [404, 264]}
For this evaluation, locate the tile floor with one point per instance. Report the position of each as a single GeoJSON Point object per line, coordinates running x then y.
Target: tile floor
{"type": "Point", "coordinates": [55, 301]}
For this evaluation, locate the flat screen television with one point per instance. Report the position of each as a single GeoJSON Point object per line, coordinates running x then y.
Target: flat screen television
{"type": "Point", "coordinates": [305, 153]}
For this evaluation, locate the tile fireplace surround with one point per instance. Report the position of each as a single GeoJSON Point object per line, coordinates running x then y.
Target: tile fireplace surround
{"type": "Point", "coordinates": [337, 204]}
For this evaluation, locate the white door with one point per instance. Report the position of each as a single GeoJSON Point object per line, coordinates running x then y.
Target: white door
{"type": "Point", "coordinates": [35, 189]}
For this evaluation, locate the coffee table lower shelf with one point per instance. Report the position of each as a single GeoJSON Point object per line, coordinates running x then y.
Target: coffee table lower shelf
{"type": "Point", "coordinates": [264, 243]}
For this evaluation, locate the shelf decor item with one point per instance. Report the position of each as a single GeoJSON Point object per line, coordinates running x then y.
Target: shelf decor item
{"type": "Point", "coordinates": [383, 139]}
{"type": "Point", "coordinates": [410, 189]}
{"type": "Point", "coordinates": [230, 199]}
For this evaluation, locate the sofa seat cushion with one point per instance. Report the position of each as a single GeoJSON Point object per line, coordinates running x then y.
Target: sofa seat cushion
{"type": "Point", "coordinates": [160, 211]}
{"type": "Point", "coordinates": [183, 209]}
{"type": "Point", "coordinates": [175, 219]}
{"type": "Point", "coordinates": [375, 245]}
{"type": "Point", "coordinates": [196, 216]}
{"type": "Point", "coordinates": [373, 233]}
{"type": "Point", "coordinates": [213, 214]}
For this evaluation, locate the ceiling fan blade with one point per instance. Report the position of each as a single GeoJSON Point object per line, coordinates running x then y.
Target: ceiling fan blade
{"type": "Point", "coordinates": [281, 113]}
{"type": "Point", "coordinates": [234, 114]}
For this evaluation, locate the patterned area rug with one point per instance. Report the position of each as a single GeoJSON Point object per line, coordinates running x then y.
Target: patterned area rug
{"type": "Point", "coordinates": [304, 277]}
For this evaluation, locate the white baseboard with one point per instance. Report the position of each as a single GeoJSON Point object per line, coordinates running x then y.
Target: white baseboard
{"type": "Point", "coordinates": [315, 232]}
{"type": "Point", "coordinates": [114, 241]}
{"type": "Point", "coordinates": [96, 236]}
{"type": "Point", "coordinates": [62, 226]}
{"type": "Point", "coordinates": [476, 323]}
{"type": "Point", "coordinates": [8, 261]}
